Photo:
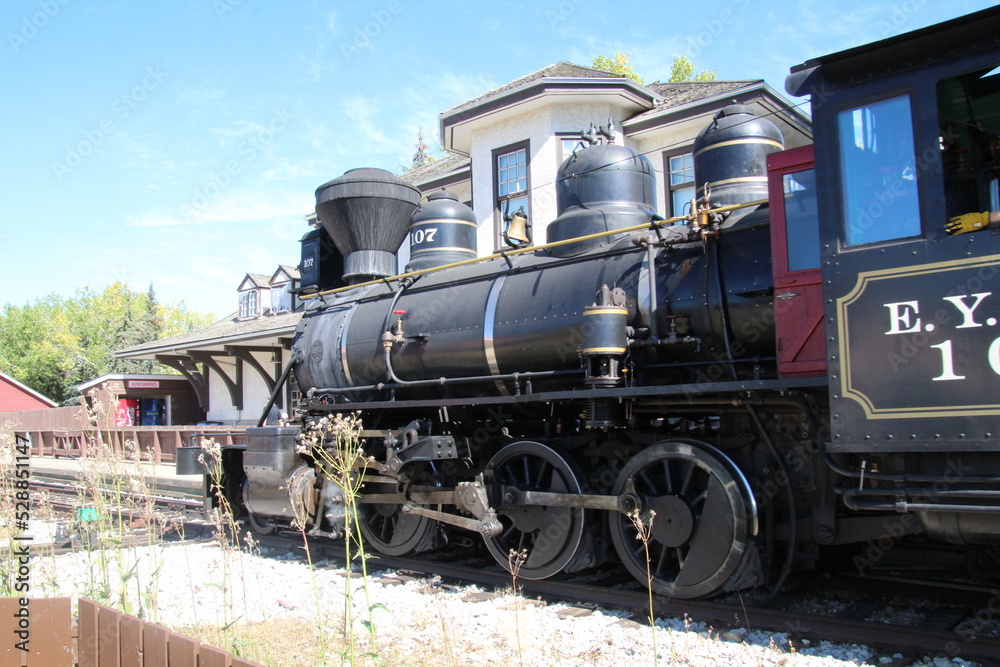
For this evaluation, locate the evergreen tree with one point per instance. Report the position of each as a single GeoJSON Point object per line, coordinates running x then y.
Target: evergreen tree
{"type": "Point", "coordinates": [421, 157]}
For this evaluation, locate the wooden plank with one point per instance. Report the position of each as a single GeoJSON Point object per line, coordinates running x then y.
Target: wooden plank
{"type": "Point", "coordinates": [131, 641]}
{"type": "Point", "coordinates": [154, 645]}
{"type": "Point", "coordinates": [109, 637]}
{"type": "Point", "coordinates": [158, 447]}
{"type": "Point", "coordinates": [51, 631]}
{"type": "Point", "coordinates": [209, 656]}
{"type": "Point", "coordinates": [87, 646]}
{"type": "Point", "coordinates": [182, 651]}
{"type": "Point", "coordinates": [9, 653]}
{"type": "Point", "coordinates": [243, 662]}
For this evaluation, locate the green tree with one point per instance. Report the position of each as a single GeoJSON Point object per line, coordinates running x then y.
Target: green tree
{"type": "Point", "coordinates": [36, 346]}
{"type": "Point", "coordinates": [178, 319]}
{"type": "Point", "coordinates": [57, 343]}
{"type": "Point", "coordinates": [421, 157]}
{"type": "Point", "coordinates": [618, 65]}
{"type": "Point", "coordinates": [683, 70]}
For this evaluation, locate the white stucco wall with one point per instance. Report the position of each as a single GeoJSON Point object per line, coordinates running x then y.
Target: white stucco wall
{"type": "Point", "coordinates": [255, 391]}
{"type": "Point", "coordinates": [539, 127]}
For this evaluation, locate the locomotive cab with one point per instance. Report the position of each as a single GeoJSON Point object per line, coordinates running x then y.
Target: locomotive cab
{"type": "Point", "coordinates": [912, 309]}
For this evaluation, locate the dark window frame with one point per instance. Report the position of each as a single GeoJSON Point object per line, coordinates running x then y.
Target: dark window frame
{"type": "Point", "coordinates": [670, 188]}
{"type": "Point", "coordinates": [844, 220]}
{"type": "Point", "coordinates": [497, 199]}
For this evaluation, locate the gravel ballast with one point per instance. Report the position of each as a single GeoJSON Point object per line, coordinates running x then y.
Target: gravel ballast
{"type": "Point", "coordinates": [417, 621]}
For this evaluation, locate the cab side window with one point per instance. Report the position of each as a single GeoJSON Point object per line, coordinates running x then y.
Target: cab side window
{"type": "Point", "coordinates": [969, 119]}
{"type": "Point", "coordinates": [878, 172]}
{"type": "Point", "coordinates": [801, 219]}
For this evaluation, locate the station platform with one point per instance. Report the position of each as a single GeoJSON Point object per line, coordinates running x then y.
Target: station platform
{"type": "Point", "coordinates": [162, 478]}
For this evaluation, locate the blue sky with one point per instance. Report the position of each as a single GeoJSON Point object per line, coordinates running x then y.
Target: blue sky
{"type": "Point", "coordinates": [180, 142]}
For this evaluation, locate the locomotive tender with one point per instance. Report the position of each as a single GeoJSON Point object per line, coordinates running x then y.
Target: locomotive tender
{"type": "Point", "coordinates": [752, 383]}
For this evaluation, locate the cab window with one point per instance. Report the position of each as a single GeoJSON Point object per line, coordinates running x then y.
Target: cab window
{"type": "Point", "coordinates": [878, 172]}
{"type": "Point", "coordinates": [969, 117]}
{"type": "Point", "coordinates": [801, 219]}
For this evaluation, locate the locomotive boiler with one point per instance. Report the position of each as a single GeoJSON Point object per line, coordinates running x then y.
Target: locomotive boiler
{"type": "Point", "coordinates": [492, 327]}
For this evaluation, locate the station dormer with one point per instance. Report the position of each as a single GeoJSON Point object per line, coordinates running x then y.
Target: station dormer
{"type": "Point", "coordinates": [255, 296]}
{"type": "Point", "coordinates": [284, 281]}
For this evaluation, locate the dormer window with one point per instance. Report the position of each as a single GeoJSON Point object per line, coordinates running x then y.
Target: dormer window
{"type": "Point", "coordinates": [281, 298]}
{"type": "Point", "coordinates": [248, 304]}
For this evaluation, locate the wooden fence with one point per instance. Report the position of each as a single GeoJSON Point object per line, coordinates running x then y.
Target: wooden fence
{"type": "Point", "coordinates": [67, 432]}
{"type": "Point", "coordinates": [103, 637]}
{"type": "Point", "coordinates": [159, 443]}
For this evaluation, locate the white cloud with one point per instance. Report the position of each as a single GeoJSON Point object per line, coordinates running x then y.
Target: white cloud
{"type": "Point", "coordinates": [230, 207]}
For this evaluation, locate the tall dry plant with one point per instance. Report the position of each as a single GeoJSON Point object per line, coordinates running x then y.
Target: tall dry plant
{"type": "Point", "coordinates": [515, 559]}
{"type": "Point", "coordinates": [116, 497]}
{"type": "Point", "coordinates": [335, 444]}
{"type": "Point", "coordinates": [13, 515]}
{"type": "Point", "coordinates": [644, 529]}
{"type": "Point", "coordinates": [223, 519]}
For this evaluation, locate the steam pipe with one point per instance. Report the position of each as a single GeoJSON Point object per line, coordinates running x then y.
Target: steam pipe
{"type": "Point", "coordinates": [654, 320]}
{"type": "Point", "coordinates": [902, 476]}
{"type": "Point", "coordinates": [296, 359]}
{"type": "Point", "coordinates": [443, 381]}
{"type": "Point", "coordinates": [901, 506]}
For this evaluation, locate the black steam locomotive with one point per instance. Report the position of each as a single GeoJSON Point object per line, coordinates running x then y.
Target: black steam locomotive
{"type": "Point", "coordinates": [750, 383]}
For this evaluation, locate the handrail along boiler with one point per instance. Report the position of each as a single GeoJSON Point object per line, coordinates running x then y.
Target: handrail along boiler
{"type": "Point", "coordinates": [810, 358]}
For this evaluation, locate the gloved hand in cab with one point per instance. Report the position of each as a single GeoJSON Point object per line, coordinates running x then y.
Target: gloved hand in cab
{"type": "Point", "coordinates": [971, 222]}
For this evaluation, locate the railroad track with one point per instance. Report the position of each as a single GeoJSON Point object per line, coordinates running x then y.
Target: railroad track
{"type": "Point", "coordinates": [936, 634]}
{"type": "Point", "coordinates": [942, 629]}
{"type": "Point", "coordinates": [181, 516]}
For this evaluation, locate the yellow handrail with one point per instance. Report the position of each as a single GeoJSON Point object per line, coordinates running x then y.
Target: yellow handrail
{"type": "Point", "coordinates": [517, 251]}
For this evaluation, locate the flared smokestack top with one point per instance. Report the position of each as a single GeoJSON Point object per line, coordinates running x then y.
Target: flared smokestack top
{"type": "Point", "coordinates": [367, 214]}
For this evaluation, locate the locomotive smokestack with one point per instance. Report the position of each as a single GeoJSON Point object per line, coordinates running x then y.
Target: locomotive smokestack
{"type": "Point", "coordinates": [367, 214]}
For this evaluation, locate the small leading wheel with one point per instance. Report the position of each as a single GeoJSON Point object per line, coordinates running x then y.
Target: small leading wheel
{"type": "Point", "coordinates": [260, 525]}
{"type": "Point", "coordinates": [704, 517]}
{"type": "Point", "coordinates": [387, 530]}
{"type": "Point", "coordinates": [550, 535]}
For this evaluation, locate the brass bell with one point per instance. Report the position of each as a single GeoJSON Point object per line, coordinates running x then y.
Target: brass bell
{"type": "Point", "coordinates": [517, 229]}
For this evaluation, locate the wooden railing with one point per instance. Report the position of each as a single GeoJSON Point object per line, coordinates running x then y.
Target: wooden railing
{"type": "Point", "coordinates": [67, 432]}
{"type": "Point", "coordinates": [159, 443]}
{"type": "Point", "coordinates": [103, 636]}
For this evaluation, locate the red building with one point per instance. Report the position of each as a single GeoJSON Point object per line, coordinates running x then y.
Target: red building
{"type": "Point", "coordinates": [14, 396]}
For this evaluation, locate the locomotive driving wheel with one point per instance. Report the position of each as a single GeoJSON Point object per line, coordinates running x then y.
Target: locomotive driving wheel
{"type": "Point", "coordinates": [549, 535]}
{"type": "Point", "coordinates": [390, 531]}
{"type": "Point", "coordinates": [703, 515]}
